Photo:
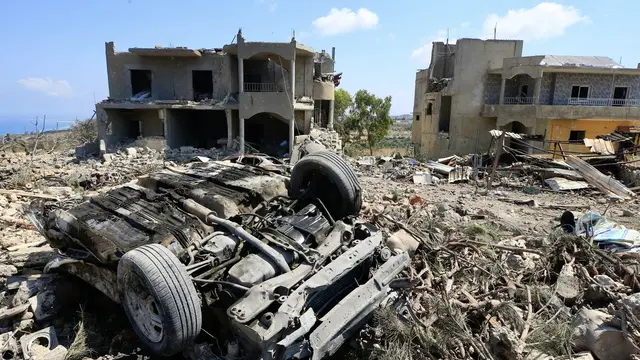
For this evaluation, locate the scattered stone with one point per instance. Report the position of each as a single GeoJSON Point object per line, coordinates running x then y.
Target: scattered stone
{"type": "Point", "coordinates": [416, 199]}
{"type": "Point", "coordinates": [538, 355]}
{"type": "Point", "coordinates": [402, 241]}
{"type": "Point", "coordinates": [568, 285]}
{"type": "Point", "coordinates": [7, 270]}
{"type": "Point", "coordinates": [25, 326]}
{"type": "Point", "coordinates": [8, 313]}
{"type": "Point", "coordinates": [578, 356]}
{"type": "Point", "coordinates": [32, 257]}
{"type": "Point", "coordinates": [21, 296]}
{"type": "Point", "coordinates": [44, 305]}
{"type": "Point", "coordinates": [59, 191]}
{"type": "Point", "coordinates": [131, 152]}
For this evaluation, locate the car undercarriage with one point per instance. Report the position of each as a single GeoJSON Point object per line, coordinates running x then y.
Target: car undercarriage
{"type": "Point", "coordinates": [280, 267]}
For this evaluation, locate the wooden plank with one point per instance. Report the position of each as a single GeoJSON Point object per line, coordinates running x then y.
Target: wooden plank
{"type": "Point", "coordinates": [28, 194]}
{"type": "Point", "coordinates": [593, 176]}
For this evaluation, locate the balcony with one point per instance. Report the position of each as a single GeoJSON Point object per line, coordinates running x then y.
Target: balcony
{"type": "Point", "coordinates": [602, 102]}
{"type": "Point", "coordinates": [519, 100]}
{"type": "Point", "coordinates": [572, 108]}
{"type": "Point", "coordinates": [262, 87]}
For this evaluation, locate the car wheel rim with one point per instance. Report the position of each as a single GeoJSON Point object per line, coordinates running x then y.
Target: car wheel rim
{"type": "Point", "coordinates": [144, 310]}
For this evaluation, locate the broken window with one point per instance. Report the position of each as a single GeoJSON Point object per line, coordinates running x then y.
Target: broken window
{"type": "Point", "coordinates": [429, 109]}
{"type": "Point", "coordinates": [417, 117]}
{"type": "Point", "coordinates": [576, 135]}
{"type": "Point", "coordinates": [445, 114]}
{"type": "Point", "coordinates": [580, 92]}
{"type": "Point", "coordinates": [620, 94]}
{"type": "Point", "coordinates": [141, 83]}
{"type": "Point", "coordinates": [202, 81]}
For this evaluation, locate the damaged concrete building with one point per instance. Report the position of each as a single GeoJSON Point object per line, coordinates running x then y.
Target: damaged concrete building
{"type": "Point", "coordinates": [258, 94]}
{"type": "Point", "coordinates": [478, 85]}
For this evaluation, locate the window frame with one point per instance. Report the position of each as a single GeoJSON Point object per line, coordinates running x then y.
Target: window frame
{"type": "Point", "coordinates": [579, 88]}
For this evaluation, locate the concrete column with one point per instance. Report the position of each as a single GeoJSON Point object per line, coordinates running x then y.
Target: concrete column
{"type": "Point", "coordinates": [241, 135]}
{"type": "Point", "coordinates": [103, 127]}
{"type": "Point", "coordinates": [536, 91]}
{"type": "Point", "coordinates": [331, 111]}
{"type": "Point", "coordinates": [292, 124]}
{"type": "Point", "coordinates": [228, 115]}
{"type": "Point", "coordinates": [503, 84]}
{"type": "Point", "coordinates": [241, 90]}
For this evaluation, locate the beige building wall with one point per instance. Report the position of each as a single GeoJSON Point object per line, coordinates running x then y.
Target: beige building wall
{"type": "Point", "coordinates": [467, 128]}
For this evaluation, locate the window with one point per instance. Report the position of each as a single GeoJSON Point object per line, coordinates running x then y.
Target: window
{"type": "Point", "coordinates": [429, 109]}
{"type": "Point", "coordinates": [620, 94]}
{"type": "Point", "coordinates": [445, 114]}
{"type": "Point", "coordinates": [417, 117]}
{"type": "Point", "coordinates": [202, 81]}
{"type": "Point", "coordinates": [576, 135]}
{"type": "Point", "coordinates": [580, 92]}
{"type": "Point", "coordinates": [140, 82]}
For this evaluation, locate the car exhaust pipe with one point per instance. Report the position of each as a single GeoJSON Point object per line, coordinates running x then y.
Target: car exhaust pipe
{"type": "Point", "coordinates": [210, 218]}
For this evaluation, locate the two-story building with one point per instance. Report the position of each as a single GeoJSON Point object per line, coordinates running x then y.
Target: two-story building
{"type": "Point", "coordinates": [258, 93]}
{"type": "Point", "coordinates": [478, 85]}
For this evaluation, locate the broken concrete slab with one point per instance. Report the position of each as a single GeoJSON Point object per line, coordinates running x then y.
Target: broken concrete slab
{"type": "Point", "coordinates": [45, 338]}
{"type": "Point", "coordinates": [568, 285]}
{"type": "Point", "coordinates": [8, 313]}
{"type": "Point", "coordinates": [402, 241]}
{"type": "Point", "coordinates": [59, 353]}
{"type": "Point", "coordinates": [36, 257]}
{"type": "Point", "coordinates": [593, 333]}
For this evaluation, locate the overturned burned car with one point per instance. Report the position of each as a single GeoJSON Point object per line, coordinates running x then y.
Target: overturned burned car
{"type": "Point", "coordinates": [279, 267]}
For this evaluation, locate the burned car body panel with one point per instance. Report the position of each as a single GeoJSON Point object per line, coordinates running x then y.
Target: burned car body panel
{"type": "Point", "coordinates": [130, 216]}
{"type": "Point", "coordinates": [289, 279]}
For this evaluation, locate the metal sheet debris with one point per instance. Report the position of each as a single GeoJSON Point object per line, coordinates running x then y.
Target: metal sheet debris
{"type": "Point", "coordinates": [606, 184]}
{"type": "Point", "coordinates": [422, 177]}
{"type": "Point", "coordinates": [600, 146]}
{"type": "Point", "coordinates": [440, 168]}
{"type": "Point", "coordinates": [459, 173]}
{"type": "Point", "coordinates": [559, 184]}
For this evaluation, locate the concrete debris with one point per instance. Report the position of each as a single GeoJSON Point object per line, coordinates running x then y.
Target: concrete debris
{"type": "Point", "coordinates": [594, 332]}
{"type": "Point", "coordinates": [491, 277]}
{"type": "Point", "coordinates": [38, 345]}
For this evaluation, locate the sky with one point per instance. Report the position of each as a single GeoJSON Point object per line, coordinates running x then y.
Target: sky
{"type": "Point", "coordinates": [53, 57]}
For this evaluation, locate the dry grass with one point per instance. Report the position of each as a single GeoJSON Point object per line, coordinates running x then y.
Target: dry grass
{"type": "Point", "coordinates": [79, 348]}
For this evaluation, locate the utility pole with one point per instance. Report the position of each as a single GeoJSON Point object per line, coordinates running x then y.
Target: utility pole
{"type": "Point", "coordinates": [495, 30]}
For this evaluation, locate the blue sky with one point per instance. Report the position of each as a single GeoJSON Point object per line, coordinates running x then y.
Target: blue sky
{"type": "Point", "coordinates": [53, 59]}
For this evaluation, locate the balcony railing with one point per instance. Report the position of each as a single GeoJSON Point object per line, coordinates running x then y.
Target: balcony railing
{"type": "Point", "coordinates": [518, 100]}
{"type": "Point", "coordinates": [603, 102]}
{"type": "Point", "coordinates": [262, 87]}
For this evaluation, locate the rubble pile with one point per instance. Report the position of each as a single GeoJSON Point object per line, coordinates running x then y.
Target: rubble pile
{"type": "Point", "coordinates": [39, 173]}
{"type": "Point", "coordinates": [506, 264]}
{"type": "Point", "coordinates": [479, 289]}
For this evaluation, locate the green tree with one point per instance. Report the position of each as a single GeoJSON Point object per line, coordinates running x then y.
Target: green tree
{"type": "Point", "coordinates": [342, 123]}
{"type": "Point", "coordinates": [342, 101]}
{"type": "Point", "coordinates": [369, 115]}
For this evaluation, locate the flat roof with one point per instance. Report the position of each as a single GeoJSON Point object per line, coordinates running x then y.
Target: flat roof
{"type": "Point", "coordinates": [583, 70]}
{"type": "Point", "coordinates": [580, 61]}
{"type": "Point", "coordinates": [166, 52]}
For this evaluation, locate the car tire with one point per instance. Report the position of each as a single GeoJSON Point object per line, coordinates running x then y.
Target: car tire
{"type": "Point", "coordinates": [160, 300]}
{"type": "Point", "coordinates": [329, 178]}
